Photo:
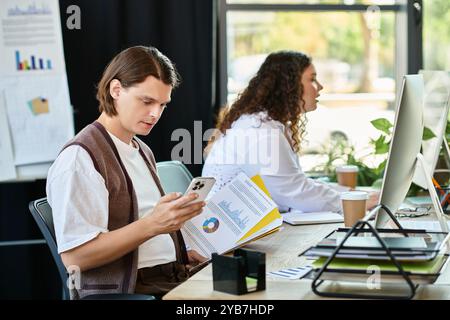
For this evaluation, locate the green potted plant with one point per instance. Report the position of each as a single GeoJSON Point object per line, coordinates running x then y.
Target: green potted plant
{"type": "Point", "coordinates": [339, 151]}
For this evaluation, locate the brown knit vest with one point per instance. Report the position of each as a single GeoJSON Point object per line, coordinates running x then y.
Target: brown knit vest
{"type": "Point", "coordinates": [118, 276]}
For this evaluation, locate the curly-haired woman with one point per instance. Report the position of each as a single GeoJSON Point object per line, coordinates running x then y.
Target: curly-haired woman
{"type": "Point", "coordinates": [261, 133]}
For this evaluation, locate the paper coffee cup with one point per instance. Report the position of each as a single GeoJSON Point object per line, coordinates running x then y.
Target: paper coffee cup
{"type": "Point", "coordinates": [354, 206]}
{"type": "Point", "coordinates": [347, 176]}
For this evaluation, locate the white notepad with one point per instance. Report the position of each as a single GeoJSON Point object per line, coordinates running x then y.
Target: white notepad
{"type": "Point", "coordinates": [297, 217]}
{"type": "Point", "coordinates": [429, 225]}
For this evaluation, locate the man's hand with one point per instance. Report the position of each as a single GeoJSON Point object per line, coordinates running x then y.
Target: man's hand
{"type": "Point", "coordinates": [195, 258]}
{"type": "Point", "coordinates": [196, 262]}
{"type": "Point", "coordinates": [173, 210]}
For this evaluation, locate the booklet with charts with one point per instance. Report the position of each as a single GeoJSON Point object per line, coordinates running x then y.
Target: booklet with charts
{"type": "Point", "coordinates": [240, 212]}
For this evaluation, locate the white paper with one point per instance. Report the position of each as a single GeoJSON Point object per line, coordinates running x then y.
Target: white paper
{"type": "Point", "coordinates": [30, 36]}
{"type": "Point", "coordinates": [227, 217]}
{"type": "Point", "coordinates": [291, 273]}
{"type": "Point", "coordinates": [271, 226]}
{"type": "Point", "coordinates": [38, 137]}
{"type": "Point", "coordinates": [7, 168]}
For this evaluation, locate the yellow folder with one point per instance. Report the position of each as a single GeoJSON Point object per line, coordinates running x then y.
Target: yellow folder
{"type": "Point", "coordinates": [269, 218]}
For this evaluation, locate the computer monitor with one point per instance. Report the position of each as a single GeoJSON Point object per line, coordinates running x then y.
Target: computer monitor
{"type": "Point", "coordinates": [404, 148]}
{"type": "Point", "coordinates": [435, 114]}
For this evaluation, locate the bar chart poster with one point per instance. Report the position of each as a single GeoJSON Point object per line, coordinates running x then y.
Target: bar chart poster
{"type": "Point", "coordinates": [30, 38]}
{"type": "Point", "coordinates": [33, 63]}
{"type": "Point", "coordinates": [33, 86]}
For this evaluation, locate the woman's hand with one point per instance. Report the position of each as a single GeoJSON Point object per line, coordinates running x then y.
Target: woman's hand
{"type": "Point", "coordinates": [374, 197]}
{"type": "Point", "coordinates": [173, 210]}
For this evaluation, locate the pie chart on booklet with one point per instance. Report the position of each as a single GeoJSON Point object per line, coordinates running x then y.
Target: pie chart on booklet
{"type": "Point", "coordinates": [210, 225]}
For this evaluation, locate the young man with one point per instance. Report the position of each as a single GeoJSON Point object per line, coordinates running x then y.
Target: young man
{"type": "Point", "coordinates": [112, 219]}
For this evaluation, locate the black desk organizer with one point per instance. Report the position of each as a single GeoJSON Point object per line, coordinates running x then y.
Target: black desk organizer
{"type": "Point", "coordinates": [359, 227]}
{"type": "Point", "coordinates": [230, 272]}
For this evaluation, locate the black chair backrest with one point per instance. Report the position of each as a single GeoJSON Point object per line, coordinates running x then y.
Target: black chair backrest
{"type": "Point", "coordinates": [42, 214]}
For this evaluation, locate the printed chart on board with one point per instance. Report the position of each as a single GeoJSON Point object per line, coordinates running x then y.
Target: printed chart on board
{"type": "Point", "coordinates": [34, 93]}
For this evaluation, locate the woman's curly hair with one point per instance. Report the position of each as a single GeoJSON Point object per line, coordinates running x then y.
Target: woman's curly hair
{"type": "Point", "coordinates": [277, 90]}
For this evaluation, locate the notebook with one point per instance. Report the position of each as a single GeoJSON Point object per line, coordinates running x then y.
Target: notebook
{"type": "Point", "coordinates": [297, 217]}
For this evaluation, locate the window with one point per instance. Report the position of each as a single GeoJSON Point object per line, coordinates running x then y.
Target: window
{"type": "Point", "coordinates": [357, 48]}
{"type": "Point", "coordinates": [353, 51]}
{"type": "Point", "coordinates": [436, 35]}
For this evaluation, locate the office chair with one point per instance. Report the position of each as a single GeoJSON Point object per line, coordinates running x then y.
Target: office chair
{"type": "Point", "coordinates": [174, 176]}
{"type": "Point", "coordinates": [42, 214]}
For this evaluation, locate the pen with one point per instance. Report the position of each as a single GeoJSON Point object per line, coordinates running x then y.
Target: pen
{"type": "Point", "coordinates": [438, 187]}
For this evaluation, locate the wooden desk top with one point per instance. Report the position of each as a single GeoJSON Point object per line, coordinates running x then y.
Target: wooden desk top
{"type": "Point", "coordinates": [282, 249]}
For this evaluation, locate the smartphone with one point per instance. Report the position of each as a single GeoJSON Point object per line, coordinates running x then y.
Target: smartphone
{"type": "Point", "coordinates": [201, 186]}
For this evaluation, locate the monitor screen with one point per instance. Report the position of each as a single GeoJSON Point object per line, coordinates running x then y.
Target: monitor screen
{"type": "Point", "coordinates": [404, 147]}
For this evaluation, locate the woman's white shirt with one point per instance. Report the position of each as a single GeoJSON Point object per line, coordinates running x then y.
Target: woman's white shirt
{"type": "Point", "coordinates": [256, 144]}
{"type": "Point", "coordinates": [79, 199]}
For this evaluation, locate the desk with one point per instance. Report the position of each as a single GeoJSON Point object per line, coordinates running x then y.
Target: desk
{"type": "Point", "coordinates": [282, 249]}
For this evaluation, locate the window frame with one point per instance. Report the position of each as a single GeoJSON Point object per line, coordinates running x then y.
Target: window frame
{"type": "Point", "coordinates": [408, 33]}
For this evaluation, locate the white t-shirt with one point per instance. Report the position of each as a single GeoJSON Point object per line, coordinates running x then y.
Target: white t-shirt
{"type": "Point", "coordinates": [79, 199]}
{"type": "Point", "coordinates": [257, 144]}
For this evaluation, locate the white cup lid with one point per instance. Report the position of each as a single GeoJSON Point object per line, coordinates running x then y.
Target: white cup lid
{"type": "Point", "coordinates": [354, 195]}
{"type": "Point", "coordinates": [348, 168]}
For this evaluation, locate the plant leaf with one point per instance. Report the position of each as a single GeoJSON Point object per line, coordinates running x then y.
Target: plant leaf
{"type": "Point", "coordinates": [380, 168]}
{"type": "Point", "coordinates": [382, 124]}
{"type": "Point", "coordinates": [381, 146]}
{"type": "Point", "coordinates": [427, 134]}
